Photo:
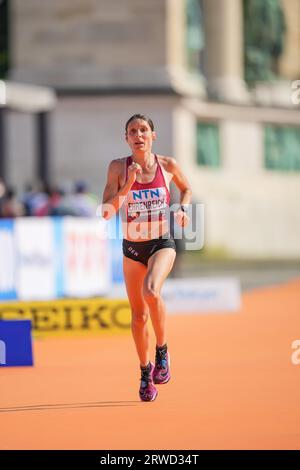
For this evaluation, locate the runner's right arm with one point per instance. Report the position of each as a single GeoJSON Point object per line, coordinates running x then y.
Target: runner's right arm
{"type": "Point", "coordinates": [113, 196]}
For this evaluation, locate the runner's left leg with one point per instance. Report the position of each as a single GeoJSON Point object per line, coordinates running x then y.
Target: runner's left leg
{"type": "Point", "coordinates": [159, 266]}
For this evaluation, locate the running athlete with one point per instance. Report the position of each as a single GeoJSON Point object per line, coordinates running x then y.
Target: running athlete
{"type": "Point", "coordinates": [139, 186]}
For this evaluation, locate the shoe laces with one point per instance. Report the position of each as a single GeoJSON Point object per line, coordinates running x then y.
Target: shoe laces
{"type": "Point", "coordinates": [161, 358]}
{"type": "Point", "coordinates": [146, 377]}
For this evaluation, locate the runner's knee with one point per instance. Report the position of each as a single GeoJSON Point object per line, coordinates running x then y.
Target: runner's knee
{"type": "Point", "coordinates": [150, 292]}
{"type": "Point", "coordinates": [139, 318]}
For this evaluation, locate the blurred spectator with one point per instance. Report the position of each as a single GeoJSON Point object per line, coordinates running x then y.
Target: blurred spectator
{"type": "Point", "coordinates": [34, 200]}
{"type": "Point", "coordinates": [55, 198]}
{"type": "Point", "coordinates": [2, 194]}
{"type": "Point", "coordinates": [11, 207]}
{"type": "Point", "coordinates": [61, 201]}
{"type": "Point", "coordinates": [43, 200]}
{"type": "Point", "coordinates": [82, 202]}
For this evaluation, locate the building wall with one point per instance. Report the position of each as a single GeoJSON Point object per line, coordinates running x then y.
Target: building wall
{"type": "Point", "coordinates": [89, 132]}
{"type": "Point", "coordinates": [89, 43]}
{"type": "Point", "coordinates": [86, 133]}
{"type": "Point", "coordinates": [20, 139]}
{"type": "Point", "coordinates": [249, 211]}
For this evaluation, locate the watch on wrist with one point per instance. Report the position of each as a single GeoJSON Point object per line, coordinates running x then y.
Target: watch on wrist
{"type": "Point", "coordinates": [184, 207]}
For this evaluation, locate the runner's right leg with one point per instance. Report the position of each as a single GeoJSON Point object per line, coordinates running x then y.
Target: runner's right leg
{"type": "Point", "coordinates": [134, 275]}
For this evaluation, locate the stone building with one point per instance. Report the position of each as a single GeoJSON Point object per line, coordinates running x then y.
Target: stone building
{"type": "Point", "coordinates": [183, 63]}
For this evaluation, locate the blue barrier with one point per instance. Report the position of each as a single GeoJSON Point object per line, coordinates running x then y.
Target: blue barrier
{"type": "Point", "coordinates": [116, 238]}
{"type": "Point", "coordinates": [15, 343]}
{"type": "Point", "coordinates": [8, 261]}
{"type": "Point", "coordinates": [55, 257]}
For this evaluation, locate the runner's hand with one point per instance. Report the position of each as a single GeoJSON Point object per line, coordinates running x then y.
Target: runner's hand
{"type": "Point", "coordinates": [133, 170]}
{"type": "Point", "coordinates": [181, 217]}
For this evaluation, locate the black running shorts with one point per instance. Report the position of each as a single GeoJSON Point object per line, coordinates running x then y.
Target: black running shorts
{"type": "Point", "coordinates": [141, 251]}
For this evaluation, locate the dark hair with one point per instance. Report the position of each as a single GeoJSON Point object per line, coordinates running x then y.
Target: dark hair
{"type": "Point", "coordinates": [140, 116]}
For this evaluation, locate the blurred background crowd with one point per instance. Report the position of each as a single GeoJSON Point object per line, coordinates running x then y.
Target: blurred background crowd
{"type": "Point", "coordinates": [45, 200]}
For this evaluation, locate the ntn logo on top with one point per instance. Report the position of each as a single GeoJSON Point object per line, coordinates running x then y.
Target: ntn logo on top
{"type": "Point", "coordinates": [148, 193]}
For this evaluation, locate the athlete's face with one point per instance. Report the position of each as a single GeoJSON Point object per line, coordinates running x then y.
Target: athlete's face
{"type": "Point", "coordinates": [139, 136]}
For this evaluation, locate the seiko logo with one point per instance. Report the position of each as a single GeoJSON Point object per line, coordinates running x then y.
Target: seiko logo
{"type": "Point", "coordinates": [69, 318]}
{"type": "Point", "coordinates": [146, 193]}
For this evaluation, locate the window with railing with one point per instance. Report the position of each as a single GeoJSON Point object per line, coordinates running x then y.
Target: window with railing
{"type": "Point", "coordinates": [282, 148]}
{"type": "Point", "coordinates": [208, 144]}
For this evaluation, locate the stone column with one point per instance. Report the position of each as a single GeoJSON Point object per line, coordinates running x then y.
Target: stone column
{"type": "Point", "coordinates": [224, 56]}
{"type": "Point", "coordinates": [289, 62]}
{"type": "Point", "coordinates": [182, 80]}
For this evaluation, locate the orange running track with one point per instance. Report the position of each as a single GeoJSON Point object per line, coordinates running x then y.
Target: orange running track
{"type": "Point", "coordinates": [233, 386]}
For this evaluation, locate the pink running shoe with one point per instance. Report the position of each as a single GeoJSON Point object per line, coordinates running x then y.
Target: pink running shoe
{"type": "Point", "coordinates": [148, 390]}
{"type": "Point", "coordinates": [161, 374]}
